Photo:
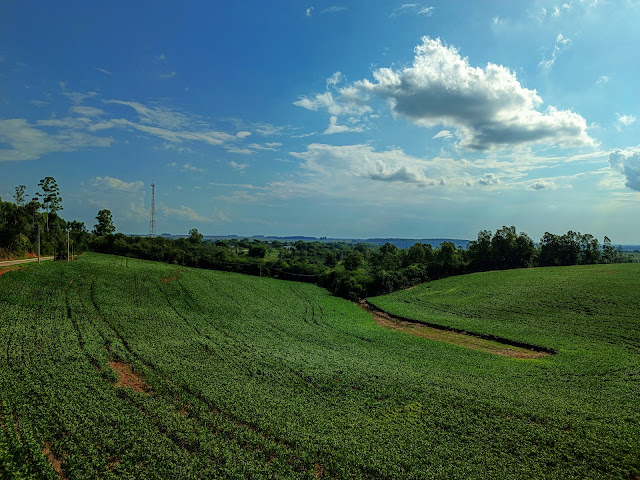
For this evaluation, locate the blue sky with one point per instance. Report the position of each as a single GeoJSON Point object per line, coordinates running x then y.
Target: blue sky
{"type": "Point", "coordinates": [340, 119]}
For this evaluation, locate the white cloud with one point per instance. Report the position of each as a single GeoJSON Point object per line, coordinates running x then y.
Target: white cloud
{"type": "Point", "coordinates": [309, 11]}
{"type": "Point", "coordinates": [240, 151]}
{"type": "Point", "coordinates": [87, 111]}
{"type": "Point", "coordinates": [187, 167]}
{"type": "Point", "coordinates": [168, 75]}
{"type": "Point", "coordinates": [335, 128]}
{"type": "Point", "coordinates": [602, 80]}
{"type": "Point", "coordinates": [158, 115]}
{"type": "Point", "coordinates": [335, 79]}
{"type": "Point", "coordinates": [362, 161]}
{"type": "Point", "coordinates": [627, 162]}
{"type": "Point", "coordinates": [561, 44]}
{"type": "Point", "coordinates": [238, 166]}
{"type": "Point", "coordinates": [412, 8]}
{"type": "Point", "coordinates": [243, 134]}
{"type": "Point", "coordinates": [488, 106]}
{"type": "Point", "coordinates": [333, 9]}
{"type": "Point", "coordinates": [30, 143]}
{"type": "Point", "coordinates": [188, 213]}
{"type": "Point", "coordinates": [103, 70]}
{"type": "Point", "coordinates": [624, 121]}
{"type": "Point", "coordinates": [348, 103]}
{"type": "Point", "coordinates": [76, 97]}
{"type": "Point", "coordinates": [442, 134]}
{"type": "Point", "coordinates": [271, 146]}
{"type": "Point", "coordinates": [542, 184]}
{"type": "Point", "coordinates": [488, 179]}
{"type": "Point", "coordinates": [112, 183]}
{"type": "Point", "coordinates": [569, 7]}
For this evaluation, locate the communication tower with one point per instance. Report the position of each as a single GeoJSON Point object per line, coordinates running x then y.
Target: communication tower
{"type": "Point", "coordinates": [152, 218]}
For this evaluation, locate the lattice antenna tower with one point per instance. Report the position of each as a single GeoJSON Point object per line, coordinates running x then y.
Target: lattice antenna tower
{"type": "Point", "coordinates": [152, 218]}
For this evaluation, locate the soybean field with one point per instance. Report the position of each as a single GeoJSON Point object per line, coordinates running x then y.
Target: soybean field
{"type": "Point", "coordinates": [120, 368]}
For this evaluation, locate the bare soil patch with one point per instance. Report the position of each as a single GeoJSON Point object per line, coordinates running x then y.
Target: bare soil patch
{"type": "Point", "coordinates": [462, 339]}
{"type": "Point", "coordinates": [55, 463]}
{"type": "Point", "coordinates": [170, 279]}
{"type": "Point", "coordinates": [128, 379]}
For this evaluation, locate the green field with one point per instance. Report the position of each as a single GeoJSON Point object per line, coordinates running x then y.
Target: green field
{"type": "Point", "coordinates": [247, 377]}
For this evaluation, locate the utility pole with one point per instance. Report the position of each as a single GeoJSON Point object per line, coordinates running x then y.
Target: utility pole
{"type": "Point", "coordinates": [38, 244]}
{"type": "Point", "coordinates": [152, 218]}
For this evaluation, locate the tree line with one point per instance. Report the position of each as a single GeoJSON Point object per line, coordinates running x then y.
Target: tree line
{"type": "Point", "coordinates": [349, 270]}
{"type": "Point", "coordinates": [26, 223]}
{"type": "Point", "coordinates": [355, 271]}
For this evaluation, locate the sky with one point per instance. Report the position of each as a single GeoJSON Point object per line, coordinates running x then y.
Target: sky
{"type": "Point", "coordinates": [348, 119]}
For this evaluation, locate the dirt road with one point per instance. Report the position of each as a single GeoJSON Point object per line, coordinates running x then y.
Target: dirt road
{"type": "Point", "coordinates": [18, 262]}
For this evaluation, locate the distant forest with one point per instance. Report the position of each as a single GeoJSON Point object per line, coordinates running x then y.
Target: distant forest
{"type": "Point", "coordinates": [352, 271]}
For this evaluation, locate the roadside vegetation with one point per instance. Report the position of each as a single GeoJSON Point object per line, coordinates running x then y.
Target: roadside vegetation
{"type": "Point", "coordinates": [113, 367]}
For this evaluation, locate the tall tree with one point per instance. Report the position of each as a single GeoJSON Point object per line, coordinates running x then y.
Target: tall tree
{"type": "Point", "coordinates": [195, 236]}
{"type": "Point", "coordinates": [50, 196]}
{"type": "Point", "coordinates": [21, 195]}
{"type": "Point", "coordinates": [105, 223]}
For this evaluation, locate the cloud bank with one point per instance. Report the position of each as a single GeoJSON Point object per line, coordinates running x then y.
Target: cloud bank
{"type": "Point", "coordinates": [487, 107]}
{"type": "Point", "coordinates": [627, 162]}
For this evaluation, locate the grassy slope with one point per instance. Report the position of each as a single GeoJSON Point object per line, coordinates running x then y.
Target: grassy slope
{"type": "Point", "coordinates": [265, 378]}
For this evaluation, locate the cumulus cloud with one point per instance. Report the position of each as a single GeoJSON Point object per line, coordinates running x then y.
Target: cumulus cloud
{"type": "Point", "coordinates": [363, 162]}
{"type": "Point", "coordinates": [627, 162]}
{"type": "Point", "coordinates": [488, 106]}
{"type": "Point", "coordinates": [624, 121]}
{"type": "Point", "coordinates": [488, 179]}
{"type": "Point", "coordinates": [541, 185]}
{"type": "Point", "coordinates": [112, 183]}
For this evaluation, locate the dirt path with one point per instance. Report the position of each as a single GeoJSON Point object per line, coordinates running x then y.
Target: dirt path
{"type": "Point", "coordinates": [18, 262]}
{"type": "Point", "coordinates": [442, 334]}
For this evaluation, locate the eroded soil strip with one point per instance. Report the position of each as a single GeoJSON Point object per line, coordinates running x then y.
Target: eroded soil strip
{"type": "Point", "coordinates": [55, 463]}
{"type": "Point", "coordinates": [127, 378]}
{"type": "Point", "coordinates": [494, 345]}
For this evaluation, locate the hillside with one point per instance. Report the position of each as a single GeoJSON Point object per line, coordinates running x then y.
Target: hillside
{"type": "Point", "coordinates": [121, 368]}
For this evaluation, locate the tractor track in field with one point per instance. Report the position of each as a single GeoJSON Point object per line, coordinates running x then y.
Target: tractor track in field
{"type": "Point", "coordinates": [476, 341]}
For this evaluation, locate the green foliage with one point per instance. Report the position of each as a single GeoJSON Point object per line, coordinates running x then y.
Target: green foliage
{"type": "Point", "coordinates": [21, 195]}
{"type": "Point", "coordinates": [105, 223]}
{"type": "Point", "coordinates": [195, 236]}
{"type": "Point", "coordinates": [259, 378]}
{"type": "Point", "coordinates": [258, 251]}
{"type": "Point", "coordinates": [353, 260]}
